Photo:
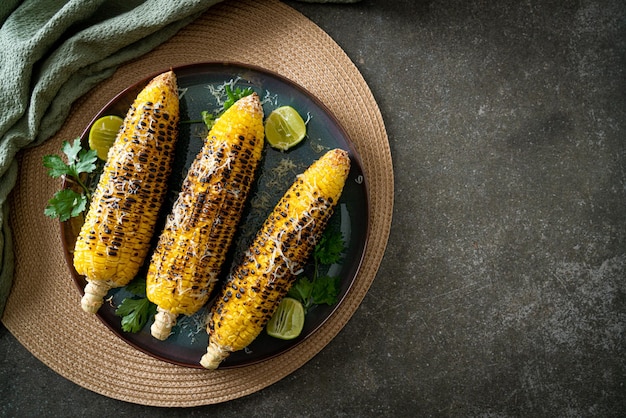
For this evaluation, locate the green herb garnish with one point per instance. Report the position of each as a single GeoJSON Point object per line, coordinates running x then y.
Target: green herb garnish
{"type": "Point", "coordinates": [65, 204]}
{"type": "Point", "coordinates": [135, 313]}
{"type": "Point", "coordinates": [68, 203]}
{"type": "Point", "coordinates": [330, 248]}
{"type": "Point", "coordinates": [322, 289]}
{"type": "Point", "coordinates": [136, 310]}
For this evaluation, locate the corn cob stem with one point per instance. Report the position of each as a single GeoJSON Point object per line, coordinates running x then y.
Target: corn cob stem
{"type": "Point", "coordinates": [278, 253]}
{"type": "Point", "coordinates": [163, 323]}
{"type": "Point", "coordinates": [198, 232]}
{"type": "Point", "coordinates": [114, 239]}
{"type": "Point", "coordinates": [95, 291]}
{"type": "Point", "coordinates": [214, 356]}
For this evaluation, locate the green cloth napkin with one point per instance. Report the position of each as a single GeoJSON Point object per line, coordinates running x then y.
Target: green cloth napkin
{"type": "Point", "coordinates": [54, 51]}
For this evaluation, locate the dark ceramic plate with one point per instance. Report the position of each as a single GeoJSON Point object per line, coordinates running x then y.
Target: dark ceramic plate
{"type": "Point", "coordinates": [199, 85]}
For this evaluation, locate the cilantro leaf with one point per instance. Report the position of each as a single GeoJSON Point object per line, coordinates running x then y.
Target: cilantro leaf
{"type": "Point", "coordinates": [302, 291]}
{"type": "Point", "coordinates": [325, 290]}
{"type": "Point", "coordinates": [71, 150]}
{"type": "Point", "coordinates": [137, 309]}
{"type": "Point", "coordinates": [86, 162]}
{"type": "Point", "coordinates": [137, 286]}
{"type": "Point", "coordinates": [68, 203]}
{"type": "Point", "coordinates": [135, 313]}
{"type": "Point", "coordinates": [56, 166]}
{"type": "Point", "coordinates": [330, 247]}
{"type": "Point", "coordinates": [65, 204]}
{"type": "Point", "coordinates": [322, 289]}
{"type": "Point", "coordinates": [79, 161]}
{"type": "Point", "coordinates": [208, 119]}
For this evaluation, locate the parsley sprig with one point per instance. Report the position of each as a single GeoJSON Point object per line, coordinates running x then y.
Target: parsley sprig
{"type": "Point", "coordinates": [322, 288]}
{"type": "Point", "coordinates": [68, 203]}
{"type": "Point", "coordinates": [137, 309]}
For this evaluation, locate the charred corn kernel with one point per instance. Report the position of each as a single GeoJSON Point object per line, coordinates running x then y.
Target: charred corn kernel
{"type": "Point", "coordinates": [114, 240]}
{"type": "Point", "coordinates": [278, 253]}
{"type": "Point", "coordinates": [193, 245]}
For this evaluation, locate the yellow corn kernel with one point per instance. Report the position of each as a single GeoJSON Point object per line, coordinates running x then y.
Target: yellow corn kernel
{"type": "Point", "coordinates": [278, 253]}
{"type": "Point", "coordinates": [201, 226]}
{"type": "Point", "coordinates": [114, 240]}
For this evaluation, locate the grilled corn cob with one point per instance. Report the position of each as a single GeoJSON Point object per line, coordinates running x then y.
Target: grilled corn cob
{"type": "Point", "coordinates": [114, 240]}
{"type": "Point", "coordinates": [278, 253]}
{"type": "Point", "coordinates": [193, 245]}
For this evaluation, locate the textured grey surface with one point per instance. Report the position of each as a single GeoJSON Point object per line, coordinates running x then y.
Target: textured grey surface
{"type": "Point", "coordinates": [503, 288]}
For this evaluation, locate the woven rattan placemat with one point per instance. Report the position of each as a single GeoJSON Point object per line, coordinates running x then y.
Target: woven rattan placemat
{"type": "Point", "coordinates": [43, 311]}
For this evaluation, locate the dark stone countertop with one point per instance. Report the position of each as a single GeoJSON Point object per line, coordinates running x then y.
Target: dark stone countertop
{"type": "Point", "coordinates": [503, 288]}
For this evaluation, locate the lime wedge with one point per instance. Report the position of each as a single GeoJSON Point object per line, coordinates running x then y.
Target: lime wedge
{"type": "Point", "coordinates": [284, 128]}
{"type": "Point", "coordinates": [288, 320]}
{"type": "Point", "coordinates": [102, 134]}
